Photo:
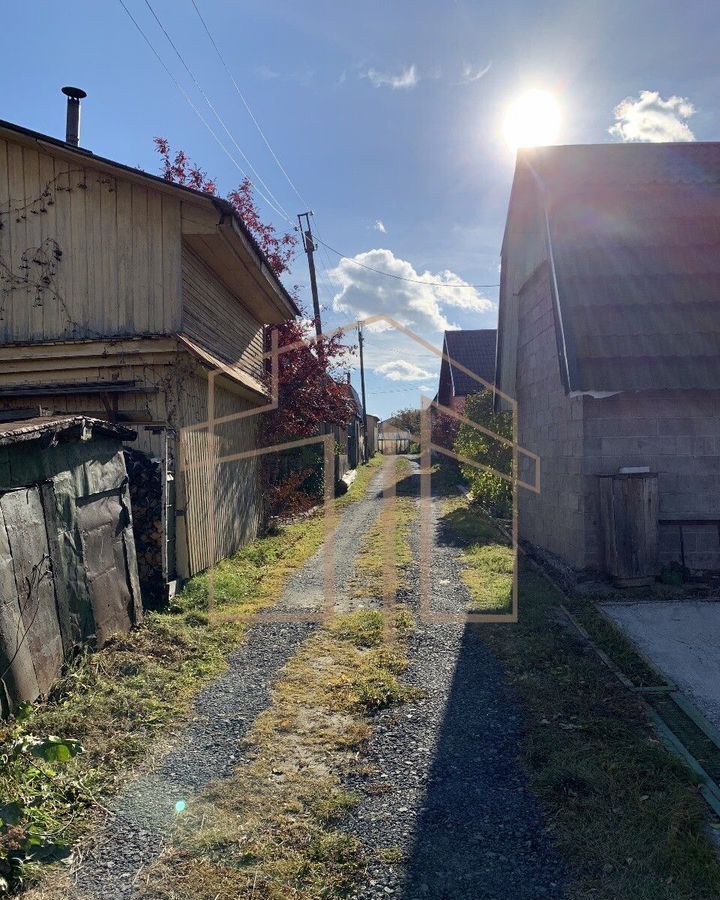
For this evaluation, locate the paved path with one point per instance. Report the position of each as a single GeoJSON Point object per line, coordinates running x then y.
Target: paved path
{"type": "Point", "coordinates": [682, 638]}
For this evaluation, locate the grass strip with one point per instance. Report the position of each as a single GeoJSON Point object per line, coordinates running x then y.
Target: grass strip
{"type": "Point", "coordinates": [487, 560]}
{"type": "Point", "coordinates": [270, 831]}
{"type": "Point", "coordinates": [626, 815]}
{"type": "Point", "coordinates": [112, 704]}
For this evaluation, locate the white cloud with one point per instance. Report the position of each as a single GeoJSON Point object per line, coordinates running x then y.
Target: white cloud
{"type": "Point", "coordinates": [402, 370]}
{"type": "Point", "coordinates": [650, 118]}
{"type": "Point", "coordinates": [470, 73]}
{"type": "Point", "coordinates": [408, 78]}
{"type": "Point", "coordinates": [380, 226]}
{"type": "Point", "coordinates": [418, 303]}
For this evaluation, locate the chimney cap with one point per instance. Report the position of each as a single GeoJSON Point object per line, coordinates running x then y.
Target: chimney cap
{"type": "Point", "coordinates": [74, 93]}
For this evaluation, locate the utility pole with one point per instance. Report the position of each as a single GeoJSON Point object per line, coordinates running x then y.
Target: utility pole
{"type": "Point", "coordinates": [366, 455]}
{"type": "Point", "coordinates": [310, 248]}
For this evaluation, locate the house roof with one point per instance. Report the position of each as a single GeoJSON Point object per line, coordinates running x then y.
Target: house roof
{"type": "Point", "coordinates": [475, 350]}
{"type": "Point", "coordinates": [33, 429]}
{"type": "Point", "coordinates": [633, 235]}
{"type": "Point", "coordinates": [354, 396]}
{"type": "Point", "coordinates": [223, 206]}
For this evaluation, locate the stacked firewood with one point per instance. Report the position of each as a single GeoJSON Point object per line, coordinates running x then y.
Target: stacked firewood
{"type": "Point", "coordinates": [146, 497]}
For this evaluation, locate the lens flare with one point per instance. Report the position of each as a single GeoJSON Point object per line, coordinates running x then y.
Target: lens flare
{"type": "Point", "coordinates": [532, 120]}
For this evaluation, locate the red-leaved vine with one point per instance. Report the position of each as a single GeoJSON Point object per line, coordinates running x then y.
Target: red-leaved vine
{"type": "Point", "coordinates": [310, 395]}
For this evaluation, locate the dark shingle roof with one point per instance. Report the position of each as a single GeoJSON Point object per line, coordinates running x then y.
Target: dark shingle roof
{"type": "Point", "coordinates": [474, 349]}
{"type": "Point", "coordinates": [635, 234]}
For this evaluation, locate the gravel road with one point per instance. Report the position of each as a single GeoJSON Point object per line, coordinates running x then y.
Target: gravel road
{"type": "Point", "coordinates": [109, 865]}
{"type": "Point", "coordinates": [443, 788]}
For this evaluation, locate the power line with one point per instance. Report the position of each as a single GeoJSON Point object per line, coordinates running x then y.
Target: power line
{"type": "Point", "coordinates": [441, 284]}
{"type": "Point", "coordinates": [180, 87]}
{"type": "Point", "coordinates": [276, 206]}
{"type": "Point", "coordinates": [247, 106]}
{"type": "Point", "coordinates": [271, 200]}
{"type": "Point", "coordinates": [292, 184]}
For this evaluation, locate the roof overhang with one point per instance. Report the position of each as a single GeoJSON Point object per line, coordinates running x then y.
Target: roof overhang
{"type": "Point", "coordinates": [229, 375]}
{"type": "Point", "coordinates": [85, 426]}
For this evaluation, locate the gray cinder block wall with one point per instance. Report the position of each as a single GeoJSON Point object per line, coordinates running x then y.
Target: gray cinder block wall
{"type": "Point", "coordinates": [550, 424]}
{"type": "Point", "coordinates": [675, 433]}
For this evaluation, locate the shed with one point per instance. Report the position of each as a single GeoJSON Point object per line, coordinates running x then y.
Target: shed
{"type": "Point", "coordinates": [392, 439]}
{"type": "Point", "coordinates": [67, 557]}
{"type": "Point", "coordinates": [609, 338]}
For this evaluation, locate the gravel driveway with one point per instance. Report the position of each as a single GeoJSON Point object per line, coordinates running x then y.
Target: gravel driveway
{"type": "Point", "coordinates": [443, 790]}
{"type": "Point", "coordinates": [110, 863]}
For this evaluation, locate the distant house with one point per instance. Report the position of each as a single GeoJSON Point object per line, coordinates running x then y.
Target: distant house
{"type": "Point", "coordinates": [393, 439]}
{"type": "Point", "coordinates": [609, 338]}
{"type": "Point", "coordinates": [119, 294]}
{"type": "Point", "coordinates": [474, 350]}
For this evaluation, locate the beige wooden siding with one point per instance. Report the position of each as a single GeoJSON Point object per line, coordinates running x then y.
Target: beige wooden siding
{"type": "Point", "coordinates": [82, 253]}
{"type": "Point", "coordinates": [218, 320]}
{"type": "Point", "coordinates": [232, 519]}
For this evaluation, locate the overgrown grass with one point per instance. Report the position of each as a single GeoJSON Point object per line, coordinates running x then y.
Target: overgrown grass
{"type": "Point", "coordinates": [115, 702]}
{"type": "Point", "coordinates": [270, 831]}
{"type": "Point", "coordinates": [387, 541]}
{"type": "Point", "coordinates": [487, 558]}
{"type": "Point", "coordinates": [625, 814]}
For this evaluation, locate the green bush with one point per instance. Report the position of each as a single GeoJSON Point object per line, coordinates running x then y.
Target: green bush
{"type": "Point", "coordinates": [490, 490]}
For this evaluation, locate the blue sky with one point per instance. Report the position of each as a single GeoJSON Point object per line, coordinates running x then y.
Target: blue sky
{"type": "Point", "coordinates": [381, 112]}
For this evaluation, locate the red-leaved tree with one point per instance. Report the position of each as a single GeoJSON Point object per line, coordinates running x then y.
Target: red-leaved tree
{"type": "Point", "coordinates": [309, 395]}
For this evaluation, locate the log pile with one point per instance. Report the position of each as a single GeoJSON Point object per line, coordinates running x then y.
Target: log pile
{"type": "Point", "coordinates": [146, 497]}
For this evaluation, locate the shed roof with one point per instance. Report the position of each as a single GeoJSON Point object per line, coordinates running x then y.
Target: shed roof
{"type": "Point", "coordinates": [633, 236]}
{"type": "Point", "coordinates": [475, 350]}
{"type": "Point", "coordinates": [34, 429]}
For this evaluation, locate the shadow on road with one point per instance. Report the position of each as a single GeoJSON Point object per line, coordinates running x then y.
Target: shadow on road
{"type": "Point", "coordinates": [480, 834]}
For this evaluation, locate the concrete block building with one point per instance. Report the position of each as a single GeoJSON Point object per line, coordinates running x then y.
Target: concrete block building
{"type": "Point", "coordinates": [609, 338]}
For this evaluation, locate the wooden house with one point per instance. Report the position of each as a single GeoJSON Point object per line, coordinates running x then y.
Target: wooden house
{"type": "Point", "coordinates": [609, 339]}
{"type": "Point", "coordinates": [119, 294]}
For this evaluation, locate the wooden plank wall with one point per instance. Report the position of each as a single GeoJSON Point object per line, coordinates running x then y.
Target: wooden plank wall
{"type": "Point", "coordinates": [82, 253]}
{"type": "Point", "coordinates": [218, 320]}
{"type": "Point", "coordinates": [236, 515]}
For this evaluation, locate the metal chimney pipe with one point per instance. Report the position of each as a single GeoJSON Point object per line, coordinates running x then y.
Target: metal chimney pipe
{"type": "Point", "coordinates": [72, 127]}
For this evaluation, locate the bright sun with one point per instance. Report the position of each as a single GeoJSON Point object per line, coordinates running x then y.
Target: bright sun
{"type": "Point", "coordinates": [532, 119]}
